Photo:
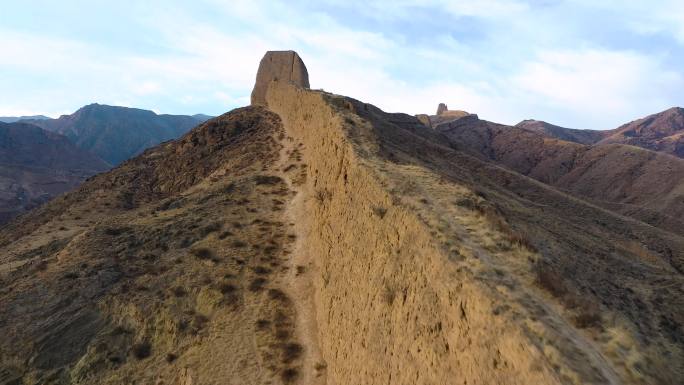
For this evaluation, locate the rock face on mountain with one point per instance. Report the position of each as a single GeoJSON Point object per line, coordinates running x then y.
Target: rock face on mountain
{"type": "Point", "coordinates": [324, 241]}
{"type": "Point", "coordinates": [662, 132]}
{"type": "Point", "coordinates": [115, 134]}
{"type": "Point", "coordinates": [278, 65]}
{"type": "Point", "coordinates": [646, 185]}
{"type": "Point", "coordinates": [37, 165]}
{"type": "Point", "coordinates": [562, 133]}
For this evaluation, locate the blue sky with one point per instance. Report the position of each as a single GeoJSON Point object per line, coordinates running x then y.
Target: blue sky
{"type": "Point", "coordinates": [581, 63]}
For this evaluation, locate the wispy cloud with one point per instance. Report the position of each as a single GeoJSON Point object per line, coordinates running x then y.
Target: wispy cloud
{"type": "Point", "coordinates": [576, 63]}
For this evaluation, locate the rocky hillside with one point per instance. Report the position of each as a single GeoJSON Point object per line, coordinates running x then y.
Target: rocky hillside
{"type": "Point", "coordinates": [645, 185]}
{"type": "Point", "coordinates": [37, 165]}
{"type": "Point", "coordinates": [661, 132]}
{"type": "Point", "coordinates": [315, 239]}
{"type": "Point", "coordinates": [562, 133]}
{"type": "Point", "coordinates": [118, 133]}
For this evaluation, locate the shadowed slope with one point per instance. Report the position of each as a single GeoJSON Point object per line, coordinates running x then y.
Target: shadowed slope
{"type": "Point", "coordinates": [37, 165]}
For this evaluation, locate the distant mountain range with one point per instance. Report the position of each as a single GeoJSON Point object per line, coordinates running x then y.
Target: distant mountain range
{"type": "Point", "coordinates": [634, 170]}
{"type": "Point", "coordinates": [12, 119]}
{"type": "Point", "coordinates": [116, 134]}
{"type": "Point", "coordinates": [36, 165]}
{"type": "Point", "coordinates": [662, 132]}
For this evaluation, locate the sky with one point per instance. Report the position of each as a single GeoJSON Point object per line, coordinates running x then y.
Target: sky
{"type": "Point", "coordinates": [577, 63]}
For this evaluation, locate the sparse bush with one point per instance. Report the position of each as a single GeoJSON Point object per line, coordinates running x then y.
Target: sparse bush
{"type": "Point", "coordinates": [322, 195]}
{"type": "Point", "coordinates": [179, 291]}
{"type": "Point", "coordinates": [142, 350]}
{"type": "Point", "coordinates": [263, 324]}
{"type": "Point", "coordinates": [589, 315]}
{"type": "Point", "coordinates": [114, 231]}
{"type": "Point", "coordinates": [277, 295]}
{"type": "Point", "coordinates": [211, 228]}
{"type": "Point", "coordinates": [389, 295]}
{"type": "Point", "coordinates": [290, 352]}
{"type": "Point", "coordinates": [71, 275]}
{"type": "Point", "coordinates": [289, 375]}
{"type": "Point", "coordinates": [267, 180]}
{"type": "Point", "coordinates": [261, 270]}
{"type": "Point", "coordinates": [238, 244]}
{"type": "Point", "coordinates": [170, 357]}
{"type": "Point", "coordinates": [227, 288]}
{"type": "Point", "coordinates": [380, 211]}
{"type": "Point", "coordinates": [549, 279]}
{"type": "Point", "coordinates": [202, 253]}
{"type": "Point", "coordinates": [257, 284]}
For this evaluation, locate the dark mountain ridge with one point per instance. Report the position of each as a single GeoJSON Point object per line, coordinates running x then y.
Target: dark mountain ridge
{"type": "Point", "coordinates": [118, 133]}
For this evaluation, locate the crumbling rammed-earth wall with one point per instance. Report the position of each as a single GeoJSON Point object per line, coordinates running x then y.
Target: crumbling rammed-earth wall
{"type": "Point", "coordinates": [390, 308]}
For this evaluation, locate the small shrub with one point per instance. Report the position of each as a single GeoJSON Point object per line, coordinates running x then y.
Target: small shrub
{"type": "Point", "coordinates": [211, 228]}
{"type": "Point", "coordinates": [289, 375]}
{"type": "Point", "coordinates": [225, 234]}
{"type": "Point", "coordinates": [380, 211]}
{"type": "Point", "coordinates": [291, 351]}
{"type": "Point", "coordinates": [588, 317]}
{"type": "Point", "coordinates": [238, 244]}
{"type": "Point", "coordinates": [179, 291]}
{"type": "Point", "coordinates": [282, 334]}
{"type": "Point", "coordinates": [170, 357]}
{"type": "Point", "coordinates": [142, 350]}
{"type": "Point", "coordinates": [261, 270]}
{"type": "Point", "coordinates": [227, 288]}
{"type": "Point", "coordinates": [71, 275]}
{"type": "Point", "coordinates": [257, 284]}
{"type": "Point", "coordinates": [277, 295]}
{"type": "Point", "coordinates": [389, 295]}
{"type": "Point", "coordinates": [263, 324]}
{"type": "Point", "coordinates": [114, 231]}
{"type": "Point", "coordinates": [202, 253]}
{"type": "Point", "coordinates": [267, 180]}
{"type": "Point", "coordinates": [550, 280]}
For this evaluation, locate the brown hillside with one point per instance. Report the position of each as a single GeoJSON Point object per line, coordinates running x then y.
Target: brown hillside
{"type": "Point", "coordinates": [37, 165]}
{"type": "Point", "coordinates": [662, 132]}
{"type": "Point", "coordinates": [319, 240]}
{"type": "Point", "coordinates": [643, 184]}
{"type": "Point", "coordinates": [562, 133]}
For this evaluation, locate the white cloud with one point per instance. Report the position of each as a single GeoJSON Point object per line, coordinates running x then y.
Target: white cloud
{"type": "Point", "coordinates": [600, 85]}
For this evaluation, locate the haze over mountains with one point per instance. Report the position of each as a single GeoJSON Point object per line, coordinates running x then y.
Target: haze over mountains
{"type": "Point", "coordinates": [12, 119]}
{"type": "Point", "coordinates": [313, 238]}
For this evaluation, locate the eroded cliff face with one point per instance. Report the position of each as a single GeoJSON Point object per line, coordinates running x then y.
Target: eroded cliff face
{"type": "Point", "coordinates": [390, 305]}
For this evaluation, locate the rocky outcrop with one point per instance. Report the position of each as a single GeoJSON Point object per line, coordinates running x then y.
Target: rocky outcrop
{"type": "Point", "coordinates": [278, 65]}
{"type": "Point", "coordinates": [442, 108]}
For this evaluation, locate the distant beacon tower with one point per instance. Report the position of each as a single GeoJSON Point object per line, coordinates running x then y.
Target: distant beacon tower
{"type": "Point", "coordinates": [442, 108]}
{"type": "Point", "coordinates": [278, 65]}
